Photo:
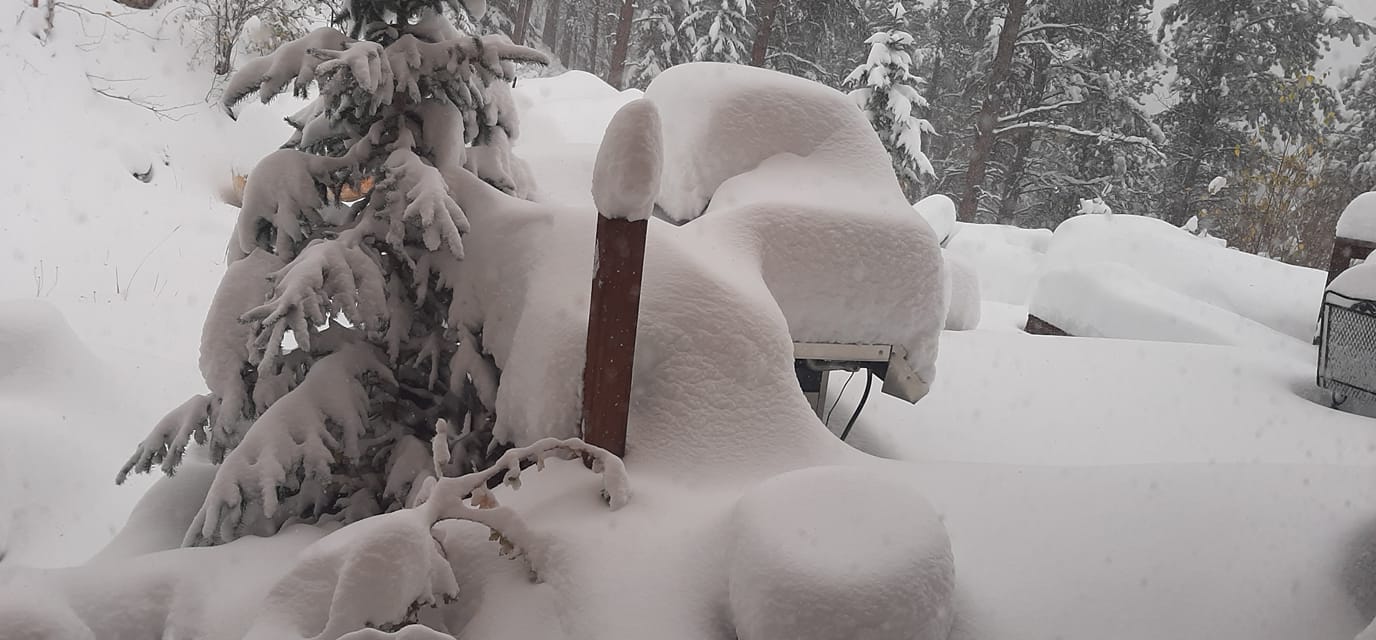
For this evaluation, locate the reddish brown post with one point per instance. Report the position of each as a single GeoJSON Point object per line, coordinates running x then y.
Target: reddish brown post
{"type": "Point", "coordinates": [612, 322]}
{"type": "Point", "coordinates": [625, 182]}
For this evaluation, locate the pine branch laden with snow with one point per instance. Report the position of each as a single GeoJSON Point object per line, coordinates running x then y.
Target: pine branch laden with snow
{"type": "Point", "coordinates": [382, 572]}
{"type": "Point", "coordinates": [329, 351]}
{"type": "Point", "coordinates": [886, 89]}
{"type": "Point", "coordinates": [724, 30]}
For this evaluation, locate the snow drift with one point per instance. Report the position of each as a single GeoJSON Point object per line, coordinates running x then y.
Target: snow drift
{"type": "Point", "coordinates": [1277, 295]}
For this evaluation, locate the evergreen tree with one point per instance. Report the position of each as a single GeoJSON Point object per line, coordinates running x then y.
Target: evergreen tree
{"type": "Point", "coordinates": [1076, 128]}
{"type": "Point", "coordinates": [659, 43]}
{"type": "Point", "coordinates": [723, 30]}
{"type": "Point", "coordinates": [887, 90]}
{"type": "Point", "coordinates": [1244, 86]}
{"type": "Point", "coordinates": [1356, 136]}
{"type": "Point", "coordinates": [1054, 85]}
{"type": "Point", "coordinates": [334, 422]}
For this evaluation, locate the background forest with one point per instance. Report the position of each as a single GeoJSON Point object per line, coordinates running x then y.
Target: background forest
{"type": "Point", "coordinates": [1038, 109]}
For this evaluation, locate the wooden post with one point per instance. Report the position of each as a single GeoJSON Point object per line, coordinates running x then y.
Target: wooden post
{"type": "Point", "coordinates": [612, 321]}
{"type": "Point", "coordinates": [625, 182]}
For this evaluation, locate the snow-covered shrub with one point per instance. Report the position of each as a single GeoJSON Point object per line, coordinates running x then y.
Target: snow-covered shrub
{"type": "Point", "coordinates": [219, 27]}
{"type": "Point", "coordinates": [887, 90]}
{"type": "Point", "coordinates": [320, 423]}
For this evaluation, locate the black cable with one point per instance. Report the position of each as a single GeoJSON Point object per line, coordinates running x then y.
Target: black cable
{"type": "Point", "coordinates": [827, 420]}
{"type": "Point", "coordinates": [869, 381]}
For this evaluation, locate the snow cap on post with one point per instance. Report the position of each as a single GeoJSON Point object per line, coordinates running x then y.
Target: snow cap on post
{"type": "Point", "coordinates": [625, 180]}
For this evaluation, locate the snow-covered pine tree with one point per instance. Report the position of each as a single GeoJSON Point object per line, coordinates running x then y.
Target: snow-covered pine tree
{"type": "Point", "coordinates": [334, 422]}
{"type": "Point", "coordinates": [659, 42]}
{"type": "Point", "coordinates": [1357, 130]}
{"type": "Point", "coordinates": [723, 30]}
{"type": "Point", "coordinates": [888, 91]}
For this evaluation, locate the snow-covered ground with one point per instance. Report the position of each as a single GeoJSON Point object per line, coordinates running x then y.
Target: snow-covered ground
{"type": "Point", "coordinates": [1091, 487]}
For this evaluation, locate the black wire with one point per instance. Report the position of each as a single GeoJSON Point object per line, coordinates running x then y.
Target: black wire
{"type": "Point", "coordinates": [827, 420]}
{"type": "Point", "coordinates": [869, 381]}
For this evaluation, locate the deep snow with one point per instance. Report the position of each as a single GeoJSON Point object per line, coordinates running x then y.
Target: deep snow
{"type": "Point", "coordinates": [1090, 487]}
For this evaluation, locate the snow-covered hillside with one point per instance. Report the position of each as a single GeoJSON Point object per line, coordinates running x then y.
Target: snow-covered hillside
{"type": "Point", "coordinates": [115, 271]}
{"type": "Point", "coordinates": [1168, 479]}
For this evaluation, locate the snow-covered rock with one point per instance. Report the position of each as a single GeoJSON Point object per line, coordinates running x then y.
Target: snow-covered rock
{"type": "Point", "coordinates": [1358, 220]}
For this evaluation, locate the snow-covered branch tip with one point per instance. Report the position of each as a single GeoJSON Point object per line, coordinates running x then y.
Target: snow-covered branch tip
{"type": "Point", "coordinates": [167, 442]}
{"type": "Point", "coordinates": [292, 62]}
{"type": "Point", "coordinates": [468, 498]}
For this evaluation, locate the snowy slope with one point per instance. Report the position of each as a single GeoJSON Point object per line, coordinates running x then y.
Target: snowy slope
{"type": "Point", "coordinates": [129, 265]}
{"type": "Point", "coordinates": [1091, 488]}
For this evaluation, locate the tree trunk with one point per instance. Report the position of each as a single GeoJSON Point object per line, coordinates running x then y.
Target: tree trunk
{"type": "Point", "coordinates": [566, 47]}
{"type": "Point", "coordinates": [1022, 143]}
{"type": "Point", "coordinates": [550, 34]}
{"type": "Point", "coordinates": [594, 43]}
{"type": "Point", "coordinates": [522, 22]}
{"type": "Point", "coordinates": [616, 71]}
{"type": "Point", "coordinates": [988, 113]}
{"type": "Point", "coordinates": [764, 27]}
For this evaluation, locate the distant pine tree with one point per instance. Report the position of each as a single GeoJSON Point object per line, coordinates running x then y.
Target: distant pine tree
{"type": "Point", "coordinates": [724, 30]}
{"type": "Point", "coordinates": [889, 93]}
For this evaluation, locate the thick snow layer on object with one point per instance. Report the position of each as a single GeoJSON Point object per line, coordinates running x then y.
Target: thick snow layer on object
{"type": "Point", "coordinates": [1358, 221]}
{"type": "Point", "coordinates": [625, 179]}
{"type": "Point", "coordinates": [940, 212]}
{"type": "Point", "coordinates": [1006, 259]}
{"type": "Point", "coordinates": [1281, 296]}
{"type": "Point", "coordinates": [965, 307]}
{"type": "Point", "coordinates": [1359, 282]}
{"type": "Point", "coordinates": [723, 120]}
{"type": "Point", "coordinates": [1112, 300]}
{"type": "Point", "coordinates": [806, 529]}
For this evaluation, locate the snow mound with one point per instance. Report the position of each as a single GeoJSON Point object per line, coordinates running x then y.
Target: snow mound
{"type": "Point", "coordinates": [839, 552]}
{"type": "Point", "coordinates": [38, 349]}
{"type": "Point", "coordinates": [1357, 283]}
{"type": "Point", "coordinates": [626, 176]}
{"type": "Point", "coordinates": [940, 212]}
{"type": "Point", "coordinates": [1111, 300]}
{"type": "Point", "coordinates": [1358, 221]}
{"type": "Point", "coordinates": [1280, 296]}
{"type": "Point", "coordinates": [965, 307]}
{"type": "Point", "coordinates": [574, 107]}
{"type": "Point", "coordinates": [1005, 258]}
{"type": "Point", "coordinates": [724, 120]}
